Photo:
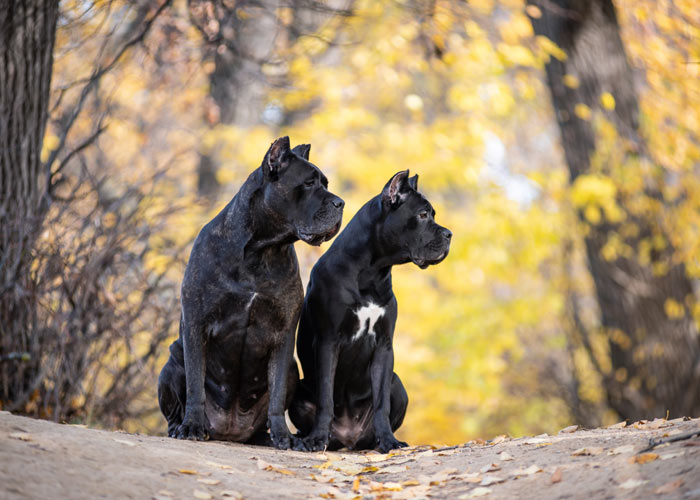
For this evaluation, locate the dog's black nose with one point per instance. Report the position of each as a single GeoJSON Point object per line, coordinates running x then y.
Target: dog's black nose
{"type": "Point", "coordinates": [338, 203]}
{"type": "Point", "coordinates": [447, 234]}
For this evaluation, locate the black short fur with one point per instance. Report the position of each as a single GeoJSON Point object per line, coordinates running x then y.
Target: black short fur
{"type": "Point", "coordinates": [350, 395]}
{"type": "Point", "coordinates": [231, 372]}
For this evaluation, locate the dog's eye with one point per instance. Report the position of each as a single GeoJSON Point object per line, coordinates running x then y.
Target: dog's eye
{"type": "Point", "coordinates": [423, 215]}
{"type": "Point", "coordinates": [310, 182]}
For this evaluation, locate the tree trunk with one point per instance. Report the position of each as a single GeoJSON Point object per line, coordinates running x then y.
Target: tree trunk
{"type": "Point", "coordinates": [655, 358]}
{"type": "Point", "coordinates": [240, 38]}
{"type": "Point", "coordinates": [27, 33]}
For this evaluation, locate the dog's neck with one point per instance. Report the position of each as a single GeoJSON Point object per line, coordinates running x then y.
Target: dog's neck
{"type": "Point", "coordinates": [365, 248]}
{"type": "Point", "coordinates": [247, 220]}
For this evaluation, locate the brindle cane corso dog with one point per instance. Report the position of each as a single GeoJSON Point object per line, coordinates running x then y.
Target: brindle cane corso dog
{"type": "Point", "coordinates": [231, 372]}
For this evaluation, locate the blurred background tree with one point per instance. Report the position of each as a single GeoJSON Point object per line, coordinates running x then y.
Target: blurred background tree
{"type": "Point", "coordinates": [570, 294]}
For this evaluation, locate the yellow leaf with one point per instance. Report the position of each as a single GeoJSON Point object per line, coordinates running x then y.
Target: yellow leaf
{"type": "Point", "coordinates": [607, 100]}
{"type": "Point", "coordinates": [582, 111]}
{"type": "Point", "coordinates": [570, 81]}
{"type": "Point", "coordinates": [644, 458]}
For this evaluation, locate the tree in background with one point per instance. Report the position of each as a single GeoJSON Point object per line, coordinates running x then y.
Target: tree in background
{"type": "Point", "coordinates": [243, 47]}
{"type": "Point", "coordinates": [26, 47]}
{"type": "Point", "coordinates": [75, 295]}
{"type": "Point", "coordinates": [645, 297]}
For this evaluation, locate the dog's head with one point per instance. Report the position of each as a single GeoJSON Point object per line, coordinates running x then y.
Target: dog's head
{"type": "Point", "coordinates": [409, 224]}
{"type": "Point", "coordinates": [295, 192]}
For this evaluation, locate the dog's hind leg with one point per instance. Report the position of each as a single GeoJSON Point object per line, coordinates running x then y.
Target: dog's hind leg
{"type": "Point", "coordinates": [172, 394]}
{"type": "Point", "coordinates": [398, 404]}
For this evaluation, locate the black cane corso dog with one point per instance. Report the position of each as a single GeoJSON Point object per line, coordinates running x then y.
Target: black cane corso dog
{"type": "Point", "coordinates": [231, 371]}
{"type": "Point", "coordinates": [350, 395]}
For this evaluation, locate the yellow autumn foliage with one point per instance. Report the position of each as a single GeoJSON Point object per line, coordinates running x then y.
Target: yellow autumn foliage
{"type": "Point", "coordinates": [481, 339]}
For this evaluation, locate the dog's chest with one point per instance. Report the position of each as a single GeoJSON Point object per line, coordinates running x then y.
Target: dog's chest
{"type": "Point", "coordinates": [367, 317]}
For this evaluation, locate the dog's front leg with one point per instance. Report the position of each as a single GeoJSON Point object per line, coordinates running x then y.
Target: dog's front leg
{"type": "Point", "coordinates": [194, 424]}
{"type": "Point", "coordinates": [381, 369]}
{"type": "Point", "coordinates": [326, 362]}
{"type": "Point", "coordinates": [278, 372]}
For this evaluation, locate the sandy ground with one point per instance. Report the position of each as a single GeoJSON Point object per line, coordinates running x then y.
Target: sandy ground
{"type": "Point", "coordinates": [44, 460]}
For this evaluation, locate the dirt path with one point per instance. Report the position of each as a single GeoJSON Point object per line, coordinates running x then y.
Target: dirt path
{"type": "Point", "coordinates": [40, 459]}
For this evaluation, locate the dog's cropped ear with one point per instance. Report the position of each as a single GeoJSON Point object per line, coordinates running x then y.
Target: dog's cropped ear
{"type": "Point", "coordinates": [276, 158]}
{"type": "Point", "coordinates": [391, 194]}
{"type": "Point", "coordinates": [413, 182]}
{"type": "Point", "coordinates": [302, 150]}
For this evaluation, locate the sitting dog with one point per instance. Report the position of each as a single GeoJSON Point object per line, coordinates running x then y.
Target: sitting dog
{"type": "Point", "coordinates": [231, 371]}
{"type": "Point", "coordinates": [350, 395]}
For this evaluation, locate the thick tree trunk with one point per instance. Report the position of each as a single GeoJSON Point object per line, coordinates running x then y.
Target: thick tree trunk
{"type": "Point", "coordinates": [655, 358]}
{"type": "Point", "coordinates": [27, 33]}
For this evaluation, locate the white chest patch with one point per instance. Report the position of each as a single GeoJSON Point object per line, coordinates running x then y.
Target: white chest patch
{"type": "Point", "coordinates": [367, 317]}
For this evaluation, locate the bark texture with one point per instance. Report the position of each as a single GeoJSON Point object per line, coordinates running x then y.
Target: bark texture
{"type": "Point", "coordinates": [240, 38]}
{"type": "Point", "coordinates": [27, 33]}
{"type": "Point", "coordinates": [655, 358]}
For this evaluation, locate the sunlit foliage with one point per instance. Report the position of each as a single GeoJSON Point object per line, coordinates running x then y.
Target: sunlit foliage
{"type": "Point", "coordinates": [454, 92]}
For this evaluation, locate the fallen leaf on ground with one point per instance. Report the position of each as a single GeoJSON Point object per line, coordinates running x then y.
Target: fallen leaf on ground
{"type": "Point", "coordinates": [415, 492]}
{"type": "Point", "coordinates": [644, 458]}
{"type": "Point", "coordinates": [410, 482]}
{"type": "Point", "coordinates": [478, 441]}
{"type": "Point", "coordinates": [490, 479]}
{"type": "Point", "coordinates": [220, 466]}
{"type": "Point", "coordinates": [187, 471]}
{"type": "Point", "coordinates": [490, 468]}
{"type": "Point", "coordinates": [124, 441]}
{"type": "Point", "coordinates": [336, 476]}
{"type": "Point", "coordinates": [673, 454]}
{"type": "Point", "coordinates": [568, 430]}
{"type": "Point", "coordinates": [356, 484]}
{"type": "Point", "coordinates": [470, 477]}
{"type": "Point", "coordinates": [210, 482]}
{"type": "Point", "coordinates": [263, 465]}
{"type": "Point", "coordinates": [556, 477]}
{"type": "Point", "coordinates": [166, 493]}
{"type": "Point", "coordinates": [632, 483]}
{"type": "Point", "coordinates": [628, 448]}
{"type": "Point", "coordinates": [22, 436]}
{"type": "Point", "coordinates": [321, 479]}
{"type": "Point", "coordinates": [498, 439]}
{"type": "Point", "coordinates": [392, 469]}
{"type": "Point", "coordinates": [669, 487]}
{"type": "Point", "coordinates": [590, 451]}
{"type": "Point", "coordinates": [231, 493]}
{"type": "Point", "coordinates": [504, 456]}
{"type": "Point", "coordinates": [438, 478]}
{"type": "Point", "coordinates": [377, 457]}
{"type": "Point", "coordinates": [619, 425]}
{"type": "Point", "coordinates": [658, 423]}
{"type": "Point", "coordinates": [392, 486]}
{"type": "Point", "coordinates": [537, 441]}
{"type": "Point", "coordinates": [479, 491]}
{"type": "Point", "coordinates": [202, 495]}
{"type": "Point", "coordinates": [533, 469]}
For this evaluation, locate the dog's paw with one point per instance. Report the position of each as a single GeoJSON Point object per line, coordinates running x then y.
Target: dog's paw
{"type": "Point", "coordinates": [316, 441]}
{"type": "Point", "coordinates": [283, 440]}
{"type": "Point", "coordinates": [194, 431]}
{"type": "Point", "coordinates": [387, 443]}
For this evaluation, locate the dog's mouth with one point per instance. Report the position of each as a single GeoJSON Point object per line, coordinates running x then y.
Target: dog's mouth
{"type": "Point", "coordinates": [316, 239]}
{"type": "Point", "coordinates": [424, 263]}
